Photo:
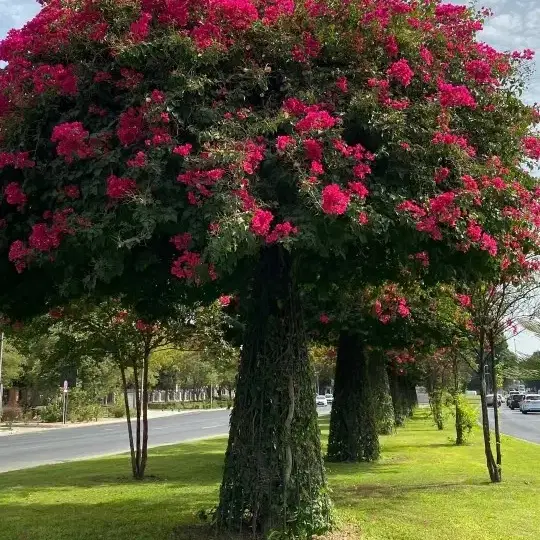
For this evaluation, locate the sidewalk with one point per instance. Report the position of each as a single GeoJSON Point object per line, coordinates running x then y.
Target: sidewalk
{"type": "Point", "coordinates": [33, 427]}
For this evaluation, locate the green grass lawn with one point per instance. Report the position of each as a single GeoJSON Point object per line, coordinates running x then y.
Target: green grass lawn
{"type": "Point", "coordinates": [423, 488]}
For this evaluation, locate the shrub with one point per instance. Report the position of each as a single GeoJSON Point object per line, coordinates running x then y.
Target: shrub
{"type": "Point", "coordinates": [465, 415]}
{"type": "Point", "coordinates": [117, 411]}
{"type": "Point", "coordinates": [12, 414]}
{"type": "Point", "coordinates": [51, 413]}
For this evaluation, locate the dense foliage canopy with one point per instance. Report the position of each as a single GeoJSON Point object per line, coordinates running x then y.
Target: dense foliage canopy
{"type": "Point", "coordinates": [144, 139]}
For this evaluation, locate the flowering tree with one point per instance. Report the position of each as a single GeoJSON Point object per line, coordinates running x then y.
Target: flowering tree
{"type": "Point", "coordinates": [144, 139]}
{"type": "Point", "coordinates": [489, 312]}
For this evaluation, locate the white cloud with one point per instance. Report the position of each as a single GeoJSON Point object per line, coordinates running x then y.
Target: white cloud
{"type": "Point", "coordinates": [15, 13]}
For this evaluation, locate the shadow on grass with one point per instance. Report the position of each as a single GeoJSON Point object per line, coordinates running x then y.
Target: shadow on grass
{"type": "Point", "coordinates": [202, 460]}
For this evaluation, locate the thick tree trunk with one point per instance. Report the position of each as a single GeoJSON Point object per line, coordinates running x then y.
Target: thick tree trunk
{"type": "Point", "coordinates": [380, 387]}
{"type": "Point", "coordinates": [353, 425]}
{"type": "Point", "coordinates": [398, 400]}
{"type": "Point", "coordinates": [409, 391]}
{"type": "Point", "coordinates": [490, 460]}
{"type": "Point", "coordinates": [274, 477]}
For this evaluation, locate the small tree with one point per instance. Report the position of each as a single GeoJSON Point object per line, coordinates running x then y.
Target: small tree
{"type": "Point", "coordinates": [491, 310]}
{"type": "Point", "coordinates": [111, 330]}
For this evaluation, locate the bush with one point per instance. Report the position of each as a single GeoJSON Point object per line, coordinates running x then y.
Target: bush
{"type": "Point", "coordinates": [82, 407]}
{"type": "Point", "coordinates": [51, 412]}
{"type": "Point", "coordinates": [466, 415]}
{"type": "Point", "coordinates": [117, 411]}
{"type": "Point", "coordinates": [12, 414]}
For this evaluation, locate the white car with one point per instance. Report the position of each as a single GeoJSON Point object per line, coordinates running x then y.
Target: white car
{"type": "Point", "coordinates": [489, 400]}
{"type": "Point", "coordinates": [329, 398]}
{"type": "Point", "coordinates": [530, 403]}
{"type": "Point", "coordinates": [321, 401]}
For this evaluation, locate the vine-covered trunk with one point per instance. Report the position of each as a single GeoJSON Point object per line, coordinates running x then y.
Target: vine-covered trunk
{"type": "Point", "coordinates": [490, 460]}
{"type": "Point", "coordinates": [353, 425]}
{"type": "Point", "coordinates": [436, 406]}
{"type": "Point", "coordinates": [398, 399]}
{"type": "Point", "coordinates": [411, 399]}
{"type": "Point", "coordinates": [274, 476]}
{"type": "Point", "coordinates": [380, 386]}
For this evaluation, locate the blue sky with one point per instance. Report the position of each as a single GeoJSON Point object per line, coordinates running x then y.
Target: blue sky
{"type": "Point", "coordinates": [515, 25]}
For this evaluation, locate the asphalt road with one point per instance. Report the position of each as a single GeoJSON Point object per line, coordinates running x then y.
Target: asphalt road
{"type": "Point", "coordinates": [67, 444]}
{"type": "Point", "coordinates": [516, 424]}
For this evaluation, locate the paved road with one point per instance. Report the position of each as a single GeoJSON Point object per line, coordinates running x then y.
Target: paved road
{"type": "Point", "coordinates": [516, 424]}
{"type": "Point", "coordinates": [66, 444]}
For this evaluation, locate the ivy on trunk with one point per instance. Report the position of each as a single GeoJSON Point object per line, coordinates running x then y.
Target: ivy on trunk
{"type": "Point", "coordinates": [353, 425]}
{"type": "Point", "coordinates": [274, 476]}
{"type": "Point", "coordinates": [378, 378]}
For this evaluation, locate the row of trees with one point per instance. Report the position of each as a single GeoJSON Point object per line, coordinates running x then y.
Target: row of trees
{"type": "Point", "coordinates": [353, 172]}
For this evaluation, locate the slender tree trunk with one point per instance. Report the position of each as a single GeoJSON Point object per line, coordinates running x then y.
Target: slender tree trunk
{"type": "Point", "coordinates": [353, 425]}
{"type": "Point", "coordinates": [380, 385]}
{"type": "Point", "coordinates": [144, 390]}
{"type": "Point", "coordinates": [398, 400]}
{"type": "Point", "coordinates": [495, 406]}
{"type": "Point", "coordinates": [138, 418]}
{"type": "Point", "coordinates": [490, 461]}
{"type": "Point", "coordinates": [274, 477]}
{"type": "Point", "coordinates": [460, 440]}
{"type": "Point", "coordinates": [128, 420]}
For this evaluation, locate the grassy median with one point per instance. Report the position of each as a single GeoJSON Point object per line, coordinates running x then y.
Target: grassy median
{"type": "Point", "coordinates": [423, 488]}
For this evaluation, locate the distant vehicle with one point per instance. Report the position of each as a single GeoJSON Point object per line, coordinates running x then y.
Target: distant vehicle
{"type": "Point", "coordinates": [471, 393]}
{"type": "Point", "coordinates": [321, 401]}
{"type": "Point", "coordinates": [329, 398]}
{"type": "Point", "coordinates": [489, 400]}
{"type": "Point", "coordinates": [530, 403]}
{"type": "Point", "coordinates": [516, 400]}
{"type": "Point", "coordinates": [509, 396]}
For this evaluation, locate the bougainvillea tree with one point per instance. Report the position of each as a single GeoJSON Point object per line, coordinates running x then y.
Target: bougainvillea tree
{"type": "Point", "coordinates": [149, 139]}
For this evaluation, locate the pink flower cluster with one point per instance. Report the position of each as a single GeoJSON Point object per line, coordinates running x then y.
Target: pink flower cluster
{"type": "Point", "coordinates": [184, 267]}
{"type": "Point", "coordinates": [447, 138]}
{"type": "Point", "coordinates": [200, 182]}
{"type": "Point", "coordinates": [18, 254]}
{"type": "Point", "coordinates": [260, 222]}
{"type": "Point", "coordinates": [72, 141]}
{"type": "Point", "coordinates": [401, 71]}
{"type": "Point", "coordinates": [14, 195]}
{"type": "Point", "coordinates": [139, 30]}
{"type": "Point", "coordinates": [130, 128]}
{"type": "Point", "coordinates": [17, 160]}
{"type": "Point", "coordinates": [181, 241]}
{"type": "Point", "coordinates": [390, 305]}
{"type": "Point", "coordinates": [120, 188]}
{"type": "Point", "coordinates": [531, 146]}
{"type": "Point", "coordinates": [280, 231]}
{"type": "Point", "coordinates": [455, 96]}
{"type": "Point", "coordinates": [334, 200]}
{"type": "Point", "coordinates": [315, 121]}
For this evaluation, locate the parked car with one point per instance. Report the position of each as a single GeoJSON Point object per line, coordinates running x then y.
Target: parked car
{"type": "Point", "coordinates": [530, 403]}
{"type": "Point", "coordinates": [329, 398]}
{"type": "Point", "coordinates": [516, 400]}
{"type": "Point", "coordinates": [321, 401]}
{"type": "Point", "coordinates": [489, 400]}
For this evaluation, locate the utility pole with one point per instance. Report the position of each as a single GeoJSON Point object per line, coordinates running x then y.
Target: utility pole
{"type": "Point", "coordinates": [1, 359]}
